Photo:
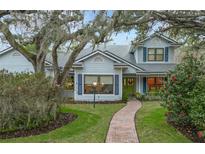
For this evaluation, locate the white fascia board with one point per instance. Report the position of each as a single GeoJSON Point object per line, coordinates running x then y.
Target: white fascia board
{"type": "Point", "coordinates": [126, 62]}
{"type": "Point", "coordinates": [159, 35]}
{"type": "Point", "coordinates": [6, 50]}
{"type": "Point", "coordinates": [94, 53]}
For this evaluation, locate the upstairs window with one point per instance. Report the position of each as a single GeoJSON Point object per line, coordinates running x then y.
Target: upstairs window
{"type": "Point", "coordinates": [155, 54]}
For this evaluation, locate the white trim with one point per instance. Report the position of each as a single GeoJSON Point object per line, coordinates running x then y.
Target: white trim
{"type": "Point", "coordinates": [166, 63]}
{"type": "Point", "coordinates": [97, 74]}
{"type": "Point", "coordinates": [108, 56]}
{"type": "Point", "coordinates": [159, 35]}
{"type": "Point", "coordinates": [167, 38]}
{"type": "Point", "coordinates": [47, 63]}
{"type": "Point", "coordinates": [6, 50]}
{"type": "Point", "coordinates": [95, 52]}
{"type": "Point", "coordinates": [98, 95]}
{"type": "Point", "coordinates": [150, 73]}
{"type": "Point", "coordinates": [155, 61]}
{"type": "Point", "coordinates": [155, 75]}
{"type": "Point", "coordinates": [120, 67]}
{"type": "Point", "coordinates": [125, 61]}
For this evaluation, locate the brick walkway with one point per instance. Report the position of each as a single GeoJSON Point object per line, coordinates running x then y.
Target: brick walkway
{"type": "Point", "coordinates": [122, 126]}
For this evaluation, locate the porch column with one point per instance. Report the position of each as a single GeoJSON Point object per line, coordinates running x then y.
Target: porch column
{"type": "Point", "coordinates": [139, 80]}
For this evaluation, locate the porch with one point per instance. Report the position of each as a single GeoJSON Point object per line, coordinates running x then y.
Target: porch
{"type": "Point", "coordinates": [142, 83]}
{"type": "Point", "coordinates": [131, 84]}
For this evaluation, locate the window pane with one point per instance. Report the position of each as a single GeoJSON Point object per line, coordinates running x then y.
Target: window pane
{"type": "Point", "coordinates": [90, 79]}
{"type": "Point", "coordinates": [159, 81]}
{"type": "Point", "coordinates": [150, 81]}
{"type": "Point", "coordinates": [105, 89]}
{"type": "Point", "coordinates": [159, 57]}
{"type": "Point", "coordinates": [151, 57]}
{"type": "Point", "coordinates": [159, 51]}
{"type": "Point", "coordinates": [106, 80]}
{"type": "Point", "coordinates": [151, 51]}
{"type": "Point", "coordinates": [106, 85]}
{"type": "Point", "coordinates": [88, 86]}
{"type": "Point", "coordinates": [154, 84]}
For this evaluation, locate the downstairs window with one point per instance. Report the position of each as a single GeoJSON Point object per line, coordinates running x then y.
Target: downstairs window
{"type": "Point", "coordinates": [104, 84]}
{"type": "Point", "coordinates": [154, 84]}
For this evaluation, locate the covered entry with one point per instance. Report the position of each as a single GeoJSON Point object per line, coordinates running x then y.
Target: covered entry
{"type": "Point", "coordinates": [129, 87]}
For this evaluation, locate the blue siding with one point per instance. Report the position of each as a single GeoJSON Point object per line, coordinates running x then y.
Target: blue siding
{"type": "Point", "coordinates": [116, 84]}
{"type": "Point", "coordinates": [144, 54]}
{"type": "Point", "coordinates": [79, 84]}
{"type": "Point", "coordinates": [166, 54]}
{"type": "Point", "coordinates": [144, 85]}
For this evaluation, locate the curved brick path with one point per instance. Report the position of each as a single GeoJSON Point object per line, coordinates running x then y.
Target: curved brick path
{"type": "Point", "coordinates": [122, 125]}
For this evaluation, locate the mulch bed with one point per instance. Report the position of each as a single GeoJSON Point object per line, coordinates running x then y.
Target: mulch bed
{"type": "Point", "coordinates": [188, 131]}
{"type": "Point", "coordinates": [63, 119]}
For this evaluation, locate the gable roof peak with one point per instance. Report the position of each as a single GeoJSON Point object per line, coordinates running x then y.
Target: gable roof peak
{"type": "Point", "coordinates": [172, 41]}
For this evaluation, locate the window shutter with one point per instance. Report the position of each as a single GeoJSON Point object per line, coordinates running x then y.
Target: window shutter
{"type": "Point", "coordinates": [116, 84]}
{"type": "Point", "coordinates": [144, 85]}
{"type": "Point", "coordinates": [144, 54]}
{"type": "Point", "coordinates": [79, 84]}
{"type": "Point", "coordinates": [166, 54]}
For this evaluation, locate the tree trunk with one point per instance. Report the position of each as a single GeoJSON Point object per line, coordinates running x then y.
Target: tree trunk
{"type": "Point", "coordinates": [62, 77]}
{"type": "Point", "coordinates": [39, 67]}
{"type": "Point", "coordinates": [56, 69]}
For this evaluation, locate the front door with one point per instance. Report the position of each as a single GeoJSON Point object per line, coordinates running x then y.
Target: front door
{"type": "Point", "coordinates": [129, 87]}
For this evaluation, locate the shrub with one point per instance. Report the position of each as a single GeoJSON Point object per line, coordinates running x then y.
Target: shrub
{"type": "Point", "coordinates": [178, 94]}
{"type": "Point", "coordinates": [26, 101]}
{"type": "Point", "coordinates": [197, 108]}
{"type": "Point", "coordinates": [139, 96]}
{"type": "Point", "coordinates": [148, 97]}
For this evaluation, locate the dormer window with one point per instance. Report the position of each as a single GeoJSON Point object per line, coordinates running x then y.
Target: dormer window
{"type": "Point", "coordinates": [155, 54]}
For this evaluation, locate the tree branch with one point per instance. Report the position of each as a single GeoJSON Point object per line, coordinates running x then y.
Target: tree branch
{"type": "Point", "coordinates": [10, 38]}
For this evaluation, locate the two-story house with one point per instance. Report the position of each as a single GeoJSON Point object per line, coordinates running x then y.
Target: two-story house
{"type": "Point", "coordinates": [115, 70]}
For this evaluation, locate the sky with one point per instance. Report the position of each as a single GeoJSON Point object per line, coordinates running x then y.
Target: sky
{"type": "Point", "coordinates": [120, 39]}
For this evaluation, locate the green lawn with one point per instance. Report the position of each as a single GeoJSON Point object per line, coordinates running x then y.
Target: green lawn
{"type": "Point", "coordinates": [152, 126]}
{"type": "Point", "coordinates": [90, 126]}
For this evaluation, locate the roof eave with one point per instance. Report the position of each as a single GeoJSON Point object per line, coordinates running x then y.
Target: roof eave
{"type": "Point", "coordinates": [159, 35]}
{"type": "Point", "coordinates": [150, 73]}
